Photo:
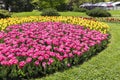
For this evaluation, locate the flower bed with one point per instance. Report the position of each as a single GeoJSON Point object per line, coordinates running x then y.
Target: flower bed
{"type": "Point", "coordinates": [109, 19]}
{"type": "Point", "coordinates": [103, 19]}
{"type": "Point", "coordinates": [93, 25]}
{"type": "Point", "coordinates": [32, 49]}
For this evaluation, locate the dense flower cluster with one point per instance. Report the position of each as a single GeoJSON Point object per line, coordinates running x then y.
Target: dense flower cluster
{"type": "Point", "coordinates": [109, 19]}
{"type": "Point", "coordinates": [103, 19]}
{"type": "Point", "coordinates": [45, 42]}
{"type": "Point", "coordinates": [93, 25]}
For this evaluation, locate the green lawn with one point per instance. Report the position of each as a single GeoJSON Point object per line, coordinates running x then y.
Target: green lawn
{"type": "Point", "coordinates": [104, 66]}
{"type": "Point", "coordinates": [69, 13]}
{"type": "Point", "coordinates": [23, 14]}
{"type": "Point", "coordinates": [37, 13]}
{"type": "Point", "coordinates": [115, 13]}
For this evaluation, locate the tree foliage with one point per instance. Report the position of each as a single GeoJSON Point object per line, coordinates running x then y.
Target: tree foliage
{"type": "Point", "coordinates": [42, 4]}
{"type": "Point", "coordinates": [61, 5]}
{"type": "Point", "coordinates": [18, 5]}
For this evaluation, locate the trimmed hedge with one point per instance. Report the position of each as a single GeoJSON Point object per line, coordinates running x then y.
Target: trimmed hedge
{"type": "Point", "coordinates": [98, 12]}
{"type": "Point", "coordinates": [76, 9]}
{"type": "Point", "coordinates": [50, 12]}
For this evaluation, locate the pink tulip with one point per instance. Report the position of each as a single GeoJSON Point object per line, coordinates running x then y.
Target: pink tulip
{"type": "Point", "coordinates": [51, 60]}
{"type": "Point", "coordinates": [28, 60]}
{"type": "Point", "coordinates": [22, 64]}
{"type": "Point", "coordinates": [44, 64]}
{"type": "Point", "coordinates": [40, 58]}
{"type": "Point", "coordinates": [37, 63]}
{"type": "Point", "coordinates": [68, 65]}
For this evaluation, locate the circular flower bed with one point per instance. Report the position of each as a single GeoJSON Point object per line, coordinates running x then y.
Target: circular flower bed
{"type": "Point", "coordinates": [32, 49]}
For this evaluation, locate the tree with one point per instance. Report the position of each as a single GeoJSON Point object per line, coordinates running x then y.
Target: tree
{"type": "Point", "coordinates": [42, 4]}
{"type": "Point", "coordinates": [8, 3]}
{"type": "Point", "coordinates": [18, 5]}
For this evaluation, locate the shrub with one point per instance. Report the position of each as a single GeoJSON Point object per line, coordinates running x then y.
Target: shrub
{"type": "Point", "coordinates": [80, 9]}
{"type": "Point", "coordinates": [4, 14]}
{"type": "Point", "coordinates": [50, 12]}
{"type": "Point", "coordinates": [98, 12]}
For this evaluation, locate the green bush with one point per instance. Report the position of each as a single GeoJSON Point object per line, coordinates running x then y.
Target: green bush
{"type": "Point", "coordinates": [98, 12]}
{"type": "Point", "coordinates": [80, 9]}
{"type": "Point", "coordinates": [50, 12]}
{"type": "Point", "coordinates": [4, 14]}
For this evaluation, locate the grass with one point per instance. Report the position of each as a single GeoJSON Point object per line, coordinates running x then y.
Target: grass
{"type": "Point", "coordinates": [37, 13]}
{"type": "Point", "coordinates": [69, 13]}
{"type": "Point", "coordinates": [104, 66]}
{"type": "Point", "coordinates": [23, 14]}
{"type": "Point", "coordinates": [115, 13]}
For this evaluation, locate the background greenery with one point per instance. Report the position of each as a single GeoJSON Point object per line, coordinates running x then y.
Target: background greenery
{"type": "Point", "coordinates": [60, 5]}
{"type": "Point", "coordinates": [115, 13]}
